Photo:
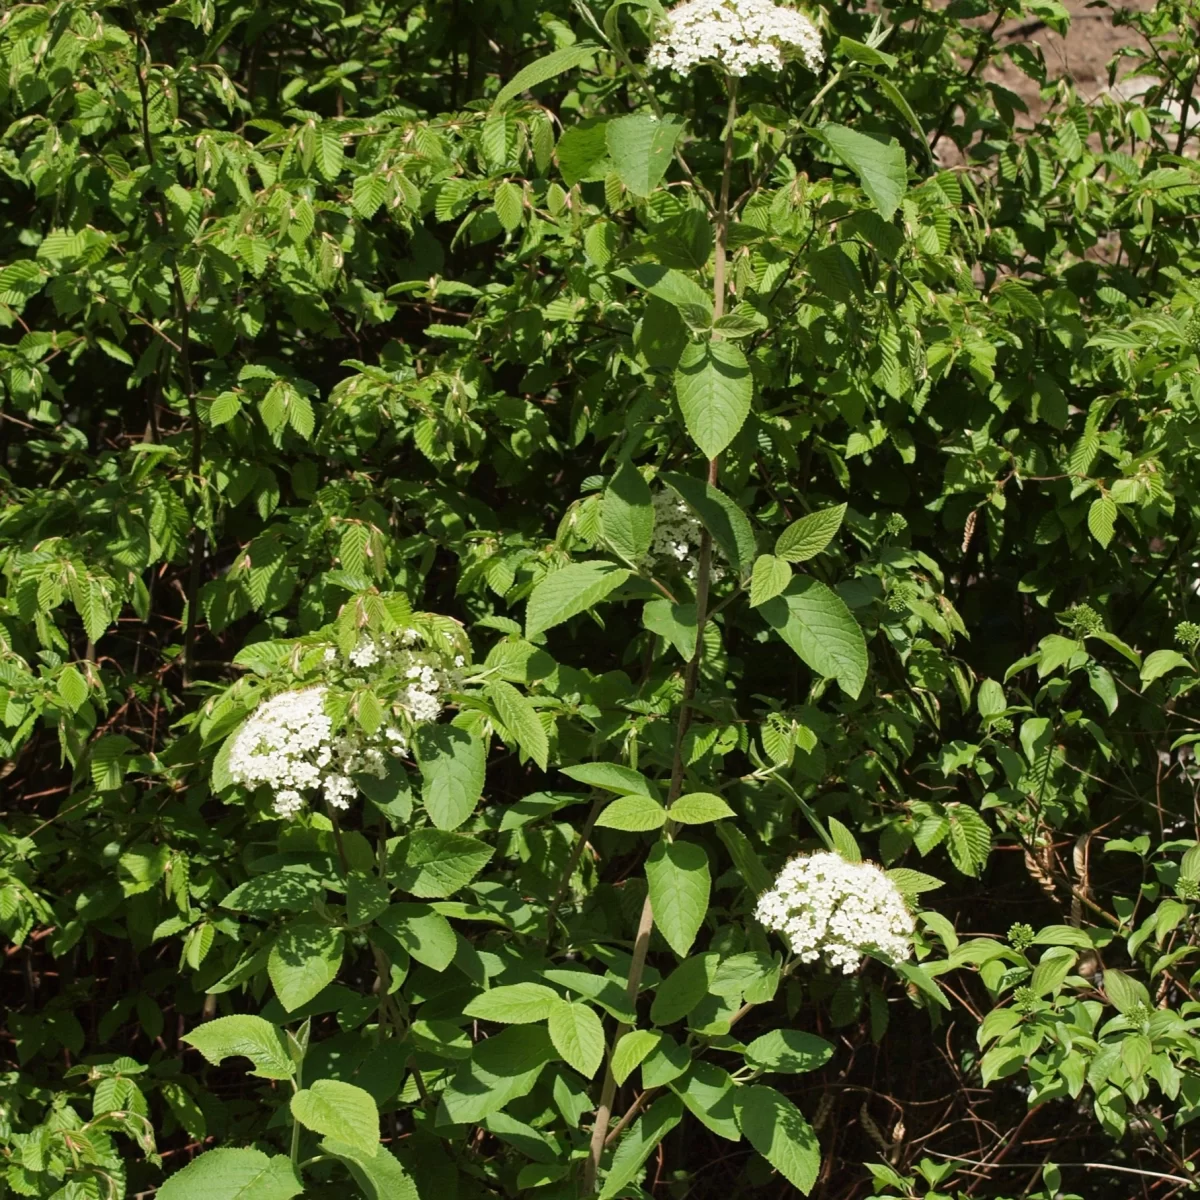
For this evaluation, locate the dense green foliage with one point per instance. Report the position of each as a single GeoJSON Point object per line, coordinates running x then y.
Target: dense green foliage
{"type": "Point", "coordinates": [323, 323]}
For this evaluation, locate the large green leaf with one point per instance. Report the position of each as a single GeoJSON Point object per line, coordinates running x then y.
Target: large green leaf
{"type": "Point", "coordinates": [679, 881]}
{"type": "Point", "coordinates": [244, 1036]}
{"type": "Point", "coordinates": [627, 514]}
{"type": "Point", "coordinates": [577, 1035]}
{"type": "Point", "coordinates": [816, 623]}
{"type": "Point", "coordinates": [228, 1174]}
{"type": "Point", "coordinates": [341, 1111]}
{"type": "Point", "coordinates": [543, 69]}
{"type": "Point", "coordinates": [453, 763]}
{"type": "Point", "coordinates": [569, 591]}
{"type": "Point", "coordinates": [304, 958]}
{"type": "Point", "coordinates": [425, 934]}
{"type": "Point", "coordinates": [879, 165]}
{"type": "Point", "coordinates": [513, 1004]}
{"type": "Point", "coordinates": [432, 863]}
{"type": "Point", "coordinates": [521, 720]}
{"type": "Point", "coordinates": [379, 1176]}
{"type": "Point", "coordinates": [641, 146]}
{"type": "Point", "coordinates": [639, 1142]}
{"type": "Point", "coordinates": [776, 1128]}
{"type": "Point", "coordinates": [728, 524]}
{"type": "Point", "coordinates": [714, 388]}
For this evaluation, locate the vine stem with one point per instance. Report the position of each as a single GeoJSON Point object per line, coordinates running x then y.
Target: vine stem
{"type": "Point", "coordinates": [641, 942]}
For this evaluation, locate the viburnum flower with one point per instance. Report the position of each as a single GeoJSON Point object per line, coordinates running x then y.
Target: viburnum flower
{"type": "Point", "coordinates": [289, 743]}
{"type": "Point", "coordinates": [737, 34]}
{"type": "Point", "coordinates": [836, 911]}
{"type": "Point", "coordinates": [677, 533]}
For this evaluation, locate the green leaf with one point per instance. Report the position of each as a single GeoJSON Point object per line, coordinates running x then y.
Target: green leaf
{"type": "Point", "coordinates": [634, 814]}
{"type": "Point", "coordinates": [683, 989]}
{"type": "Point", "coordinates": [453, 764]}
{"type": "Point", "coordinates": [708, 1091]}
{"type": "Point", "coordinates": [274, 892]}
{"type": "Point", "coordinates": [807, 537]}
{"type": "Point", "coordinates": [843, 841]}
{"type": "Point", "coordinates": [544, 69]}
{"type": "Point", "coordinates": [612, 777]}
{"type": "Point", "coordinates": [639, 1142]}
{"type": "Point", "coordinates": [627, 514]}
{"type": "Point", "coordinates": [788, 1050]}
{"type": "Point", "coordinates": [674, 622]}
{"type": "Point", "coordinates": [727, 523]}
{"type": "Point", "coordinates": [244, 1036]}
{"type": "Point", "coordinates": [1159, 663]}
{"type": "Point", "coordinates": [513, 1004]}
{"type": "Point", "coordinates": [969, 840]}
{"type": "Point", "coordinates": [521, 720]}
{"type": "Point", "coordinates": [228, 1174]}
{"type": "Point", "coordinates": [366, 897]}
{"type": "Point", "coordinates": [304, 958]}
{"type": "Point", "coordinates": [577, 1035]}
{"type": "Point", "coordinates": [880, 166]}
{"type": "Point", "coordinates": [1102, 520]}
{"type": "Point", "coordinates": [424, 933]}
{"type": "Point", "coordinates": [677, 289]}
{"type": "Point", "coordinates": [679, 880]}
{"type": "Point", "coordinates": [714, 389]}
{"type": "Point", "coordinates": [379, 1176]}
{"type": "Point", "coordinates": [698, 808]}
{"type": "Point", "coordinates": [433, 864]}
{"type": "Point", "coordinates": [818, 626]}
{"type": "Point", "coordinates": [631, 1050]}
{"type": "Point", "coordinates": [640, 147]}
{"type": "Point", "coordinates": [340, 1111]}
{"type": "Point", "coordinates": [771, 576]}
{"type": "Point", "coordinates": [1049, 974]}
{"type": "Point", "coordinates": [72, 688]}
{"type": "Point", "coordinates": [775, 1127]}
{"type": "Point", "coordinates": [500, 1070]}
{"type": "Point", "coordinates": [569, 591]}
{"type": "Point", "coordinates": [328, 155]}
{"type": "Point", "coordinates": [911, 883]}
{"type": "Point", "coordinates": [509, 203]}
{"type": "Point", "coordinates": [1125, 992]}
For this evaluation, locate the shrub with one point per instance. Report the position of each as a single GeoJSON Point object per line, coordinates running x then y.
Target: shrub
{"type": "Point", "coordinates": [481, 495]}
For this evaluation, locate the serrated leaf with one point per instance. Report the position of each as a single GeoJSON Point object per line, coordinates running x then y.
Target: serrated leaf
{"type": "Point", "coordinates": [1102, 520]}
{"type": "Point", "coordinates": [244, 1036]}
{"type": "Point", "coordinates": [807, 537]}
{"type": "Point", "coordinates": [453, 764]}
{"type": "Point", "coordinates": [509, 205]}
{"type": "Point", "coordinates": [639, 1142]}
{"type": "Point", "coordinates": [433, 864]}
{"type": "Point", "coordinates": [879, 165]}
{"type": "Point", "coordinates": [771, 577]}
{"type": "Point", "coordinates": [634, 814]}
{"type": "Point", "coordinates": [674, 622]}
{"type": "Point", "coordinates": [633, 1049]}
{"type": "Point", "coordinates": [640, 146]}
{"type": "Point", "coordinates": [612, 777]}
{"type": "Point", "coordinates": [816, 623]}
{"type": "Point", "coordinates": [843, 841]}
{"type": "Point", "coordinates": [513, 1004]}
{"type": "Point", "coordinates": [724, 520]}
{"type": "Point", "coordinates": [775, 1127]}
{"type": "Point", "coordinates": [424, 933]}
{"type": "Point", "coordinates": [577, 1035]}
{"type": "Point", "coordinates": [569, 591]}
{"type": "Point", "coordinates": [544, 69]}
{"type": "Point", "coordinates": [304, 959]}
{"type": "Point", "coordinates": [627, 514]}
{"type": "Point", "coordinates": [679, 883]}
{"type": "Point", "coordinates": [379, 1176]}
{"type": "Point", "coordinates": [714, 388]}
{"type": "Point", "coordinates": [788, 1050]}
{"type": "Point", "coordinates": [72, 688]}
{"type": "Point", "coordinates": [340, 1111]}
{"type": "Point", "coordinates": [521, 720]}
{"type": "Point", "coordinates": [699, 808]}
{"type": "Point", "coordinates": [912, 883]}
{"type": "Point", "coordinates": [229, 1174]}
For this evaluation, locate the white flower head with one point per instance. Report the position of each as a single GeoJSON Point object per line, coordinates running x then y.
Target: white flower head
{"type": "Point", "coordinates": [677, 534]}
{"type": "Point", "coordinates": [835, 911]}
{"type": "Point", "coordinates": [737, 34]}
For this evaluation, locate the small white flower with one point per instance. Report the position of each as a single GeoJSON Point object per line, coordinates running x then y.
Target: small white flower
{"type": "Point", "coordinates": [366, 653]}
{"type": "Point", "coordinates": [677, 534]}
{"type": "Point", "coordinates": [834, 910]}
{"type": "Point", "coordinates": [738, 34]}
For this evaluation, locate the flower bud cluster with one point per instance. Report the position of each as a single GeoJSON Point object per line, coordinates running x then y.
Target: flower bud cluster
{"type": "Point", "coordinates": [836, 911]}
{"type": "Point", "coordinates": [737, 34]}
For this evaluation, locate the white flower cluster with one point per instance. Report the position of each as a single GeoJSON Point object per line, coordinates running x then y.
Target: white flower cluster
{"type": "Point", "coordinates": [288, 746]}
{"type": "Point", "coordinates": [835, 910]}
{"type": "Point", "coordinates": [738, 34]}
{"type": "Point", "coordinates": [677, 533]}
